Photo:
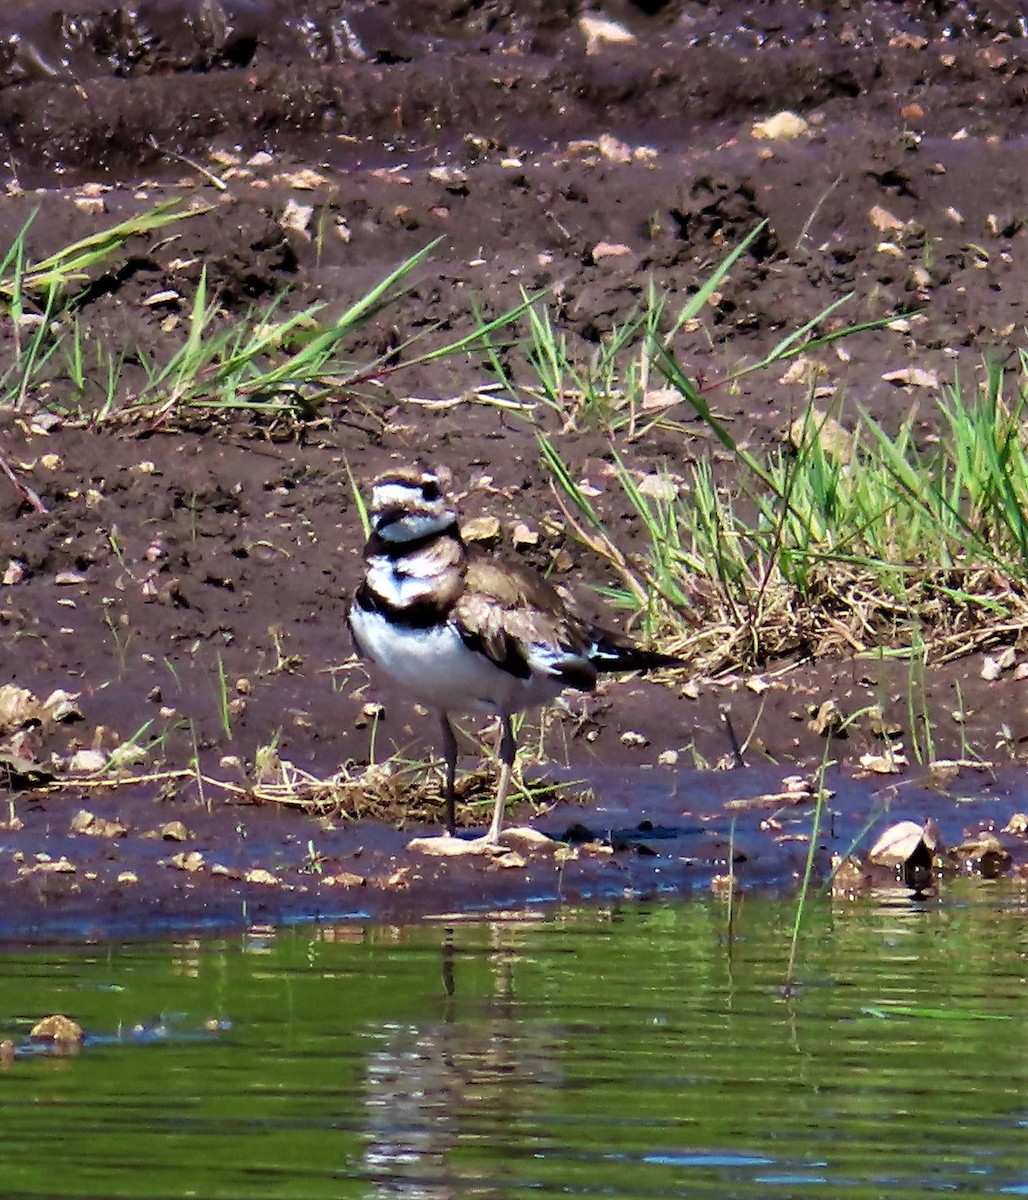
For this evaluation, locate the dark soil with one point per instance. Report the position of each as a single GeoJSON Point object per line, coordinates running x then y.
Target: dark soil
{"type": "Point", "coordinates": [170, 551]}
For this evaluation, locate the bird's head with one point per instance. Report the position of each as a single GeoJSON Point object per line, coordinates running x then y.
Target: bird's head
{"type": "Point", "coordinates": [407, 506]}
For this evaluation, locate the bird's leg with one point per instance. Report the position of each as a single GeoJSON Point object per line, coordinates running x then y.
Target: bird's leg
{"type": "Point", "coordinates": [506, 749]}
{"type": "Point", "coordinates": [450, 757]}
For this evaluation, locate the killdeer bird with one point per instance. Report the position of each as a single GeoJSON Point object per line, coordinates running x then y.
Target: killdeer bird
{"type": "Point", "coordinates": [462, 632]}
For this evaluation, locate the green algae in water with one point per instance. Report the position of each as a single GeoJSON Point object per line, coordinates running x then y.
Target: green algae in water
{"type": "Point", "coordinates": [626, 1052]}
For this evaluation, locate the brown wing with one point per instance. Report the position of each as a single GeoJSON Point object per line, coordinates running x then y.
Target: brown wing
{"type": "Point", "coordinates": [510, 614]}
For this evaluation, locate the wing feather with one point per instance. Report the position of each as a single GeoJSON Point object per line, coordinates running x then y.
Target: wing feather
{"type": "Point", "coordinates": [521, 623]}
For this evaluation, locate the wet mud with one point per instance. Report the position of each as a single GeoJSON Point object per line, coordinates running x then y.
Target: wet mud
{"type": "Point", "coordinates": [187, 580]}
{"type": "Point", "coordinates": [641, 835]}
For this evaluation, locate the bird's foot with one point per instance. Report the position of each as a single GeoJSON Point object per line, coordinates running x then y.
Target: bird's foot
{"type": "Point", "coordinates": [516, 838]}
{"type": "Point", "coordinates": [446, 845]}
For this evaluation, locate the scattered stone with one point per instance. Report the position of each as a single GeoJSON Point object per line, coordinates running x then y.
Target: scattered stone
{"type": "Point", "coordinates": [60, 706]}
{"type": "Point", "coordinates": [297, 217]}
{"type": "Point", "coordinates": [165, 296]}
{"type": "Point", "coordinates": [800, 785]}
{"type": "Point", "coordinates": [884, 221]}
{"type": "Point", "coordinates": [510, 860]}
{"type": "Point", "coordinates": [908, 41]}
{"type": "Point", "coordinates": [304, 180]}
{"type": "Point", "coordinates": [87, 762]}
{"type": "Point", "coordinates": [982, 854]}
{"type": "Point", "coordinates": [18, 708]}
{"type": "Point", "coordinates": [827, 719]}
{"type": "Point", "coordinates": [890, 763]}
{"type": "Point", "coordinates": [261, 876]}
{"type": "Point", "coordinates": [991, 670]}
{"type": "Point", "coordinates": [913, 377]}
{"type": "Point", "coordinates": [392, 175]}
{"type": "Point", "coordinates": [657, 486]}
{"type": "Point", "coordinates": [910, 849]}
{"type": "Point", "coordinates": [880, 727]}
{"type": "Point", "coordinates": [604, 250]}
{"type": "Point", "coordinates": [600, 31]}
{"type": "Point", "coordinates": [835, 440]}
{"type": "Point", "coordinates": [454, 178]}
{"type": "Point", "coordinates": [346, 879]}
{"type": "Point", "coordinates": [482, 529]}
{"type": "Point", "coordinates": [173, 831]}
{"type": "Point", "coordinates": [897, 843]}
{"type": "Point", "coordinates": [188, 860]}
{"type": "Point", "coordinates": [129, 754]}
{"type": "Point", "coordinates": [524, 535]}
{"type": "Point", "coordinates": [614, 149]}
{"type": "Point", "coordinates": [942, 772]}
{"type": "Point", "coordinates": [784, 126]}
{"type": "Point", "coordinates": [89, 824]}
{"type": "Point", "coordinates": [659, 398]}
{"type": "Point", "coordinates": [57, 1028]}
{"type": "Point", "coordinates": [60, 866]}
{"type": "Point", "coordinates": [370, 712]}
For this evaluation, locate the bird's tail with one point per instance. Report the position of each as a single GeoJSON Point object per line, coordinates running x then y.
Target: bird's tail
{"type": "Point", "coordinates": [611, 653]}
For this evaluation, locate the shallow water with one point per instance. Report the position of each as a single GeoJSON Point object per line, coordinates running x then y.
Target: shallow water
{"type": "Point", "coordinates": [626, 1052]}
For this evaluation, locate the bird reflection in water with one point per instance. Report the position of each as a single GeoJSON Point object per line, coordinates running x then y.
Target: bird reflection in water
{"type": "Point", "coordinates": [466, 1076]}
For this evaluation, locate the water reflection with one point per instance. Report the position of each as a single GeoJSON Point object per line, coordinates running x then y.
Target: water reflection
{"type": "Point", "coordinates": [431, 1083]}
{"type": "Point", "coordinates": [637, 1051]}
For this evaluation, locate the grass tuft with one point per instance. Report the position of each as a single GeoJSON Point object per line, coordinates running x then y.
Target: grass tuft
{"type": "Point", "coordinates": [814, 549]}
{"type": "Point", "coordinates": [274, 361]}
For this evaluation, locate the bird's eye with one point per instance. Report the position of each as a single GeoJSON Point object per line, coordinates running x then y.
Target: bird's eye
{"type": "Point", "coordinates": [430, 489]}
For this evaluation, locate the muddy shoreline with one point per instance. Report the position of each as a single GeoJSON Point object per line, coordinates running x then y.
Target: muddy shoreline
{"type": "Point", "coordinates": [548, 155]}
{"type": "Point", "coordinates": [643, 836]}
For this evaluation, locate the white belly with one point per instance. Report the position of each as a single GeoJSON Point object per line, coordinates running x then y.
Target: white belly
{"type": "Point", "coordinates": [434, 667]}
